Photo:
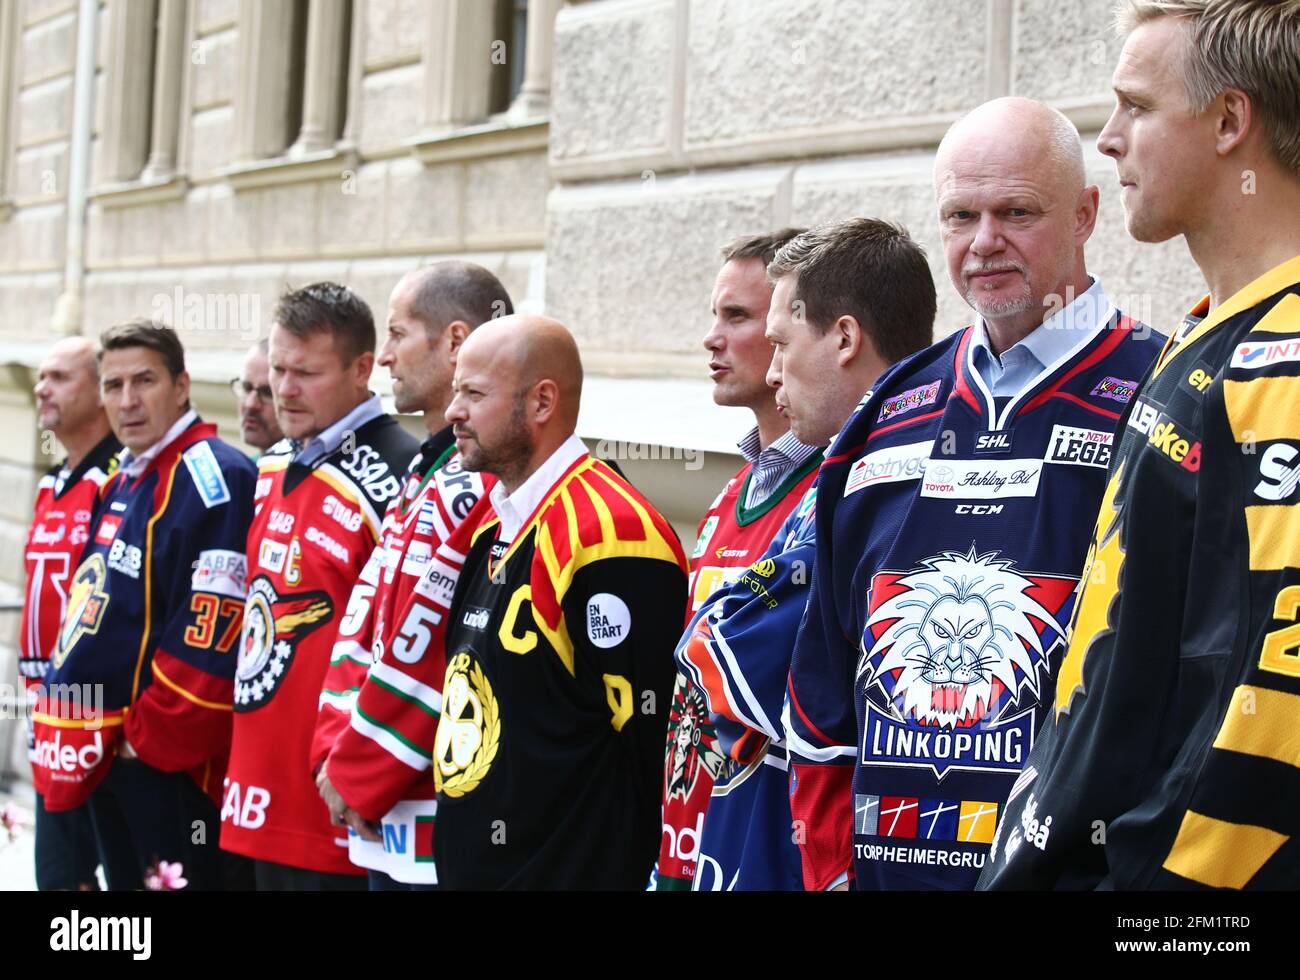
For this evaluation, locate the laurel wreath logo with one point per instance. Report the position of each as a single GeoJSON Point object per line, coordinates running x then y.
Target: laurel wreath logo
{"type": "Point", "coordinates": [468, 779]}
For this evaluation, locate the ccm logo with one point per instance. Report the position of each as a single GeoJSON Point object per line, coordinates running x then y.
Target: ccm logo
{"type": "Point", "coordinates": [983, 509]}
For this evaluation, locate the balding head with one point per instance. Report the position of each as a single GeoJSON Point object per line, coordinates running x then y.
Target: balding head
{"type": "Point", "coordinates": [67, 392]}
{"type": "Point", "coordinates": [515, 396]}
{"type": "Point", "coordinates": [1014, 213]}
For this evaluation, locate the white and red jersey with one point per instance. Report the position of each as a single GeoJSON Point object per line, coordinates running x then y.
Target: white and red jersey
{"type": "Point", "coordinates": [314, 529]}
{"type": "Point", "coordinates": [60, 528]}
{"type": "Point", "coordinates": [379, 707]}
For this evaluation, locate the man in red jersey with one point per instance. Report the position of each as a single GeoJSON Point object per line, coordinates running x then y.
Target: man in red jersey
{"type": "Point", "coordinates": [379, 707]}
{"type": "Point", "coordinates": [736, 529]}
{"type": "Point", "coordinates": [67, 406]}
{"type": "Point", "coordinates": [319, 498]}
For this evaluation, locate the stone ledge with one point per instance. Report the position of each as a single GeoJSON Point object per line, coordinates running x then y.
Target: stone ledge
{"type": "Point", "coordinates": [135, 192]}
{"type": "Point", "coordinates": [491, 139]}
{"type": "Point", "coordinates": [291, 170]}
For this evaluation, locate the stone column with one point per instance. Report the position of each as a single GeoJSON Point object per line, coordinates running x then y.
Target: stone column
{"type": "Point", "coordinates": [458, 63]}
{"type": "Point", "coordinates": [326, 74]}
{"type": "Point", "coordinates": [168, 81]}
{"type": "Point", "coordinates": [8, 100]}
{"type": "Point", "coordinates": [128, 92]}
{"type": "Point", "coordinates": [266, 78]}
{"type": "Point", "coordinates": [534, 98]}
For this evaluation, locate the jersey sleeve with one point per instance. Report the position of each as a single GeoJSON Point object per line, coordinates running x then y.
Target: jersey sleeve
{"type": "Point", "coordinates": [738, 646]}
{"type": "Point", "coordinates": [198, 574]}
{"type": "Point", "coordinates": [349, 660]}
{"type": "Point", "coordinates": [387, 744]}
{"type": "Point", "coordinates": [819, 715]}
{"type": "Point", "coordinates": [623, 616]}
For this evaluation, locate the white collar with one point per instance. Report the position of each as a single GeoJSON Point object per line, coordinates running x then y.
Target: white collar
{"type": "Point", "coordinates": [513, 509]}
{"type": "Point", "coordinates": [133, 466]}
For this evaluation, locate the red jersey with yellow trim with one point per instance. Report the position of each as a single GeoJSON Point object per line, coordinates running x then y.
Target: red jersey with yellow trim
{"type": "Point", "coordinates": [731, 538]}
{"type": "Point", "coordinates": [314, 529]}
{"type": "Point", "coordinates": [559, 668]}
{"type": "Point", "coordinates": [146, 646]}
{"type": "Point", "coordinates": [379, 708]}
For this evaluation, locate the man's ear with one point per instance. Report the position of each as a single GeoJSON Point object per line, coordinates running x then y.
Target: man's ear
{"type": "Point", "coordinates": [1234, 119]}
{"type": "Point", "coordinates": [456, 333]}
{"type": "Point", "coordinates": [546, 396]}
{"type": "Point", "coordinates": [849, 339]}
{"type": "Point", "coordinates": [362, 367]}
{"type": "Point", "coordinates": [183, 386]}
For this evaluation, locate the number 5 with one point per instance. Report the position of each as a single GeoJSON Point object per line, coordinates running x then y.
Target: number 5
{"type": "Point", "coordinates": [416, 634]}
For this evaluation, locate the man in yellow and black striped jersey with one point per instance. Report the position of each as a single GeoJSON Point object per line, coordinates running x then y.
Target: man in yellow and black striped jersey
{"type": "Point", "coordinates": [1171, 760]}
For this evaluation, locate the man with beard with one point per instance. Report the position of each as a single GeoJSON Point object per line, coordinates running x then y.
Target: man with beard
{"type": "Point", "coordinates": [257, 422]}
{"type": "Point", "coordinates": [378, 710]}
{"type": "Point", "coordinates": [549, 750]}
{"type": "Point", "coordinates": [950, 527]}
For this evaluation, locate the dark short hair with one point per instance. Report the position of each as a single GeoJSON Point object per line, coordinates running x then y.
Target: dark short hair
{"type": "Point", "coordinates": [151, 334]}
{"type": "Point", "coordinates": [455, 290]}
{"type": "Point", "coordinates": [870, 270]}
{"type": "Point", "coordinates": [761, 247]}
{"type": "Point", "coordinates": [327, 307]}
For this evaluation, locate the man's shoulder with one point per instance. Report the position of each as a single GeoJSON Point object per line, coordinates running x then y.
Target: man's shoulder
{"type": "Point", "coordinates": [394, 444]}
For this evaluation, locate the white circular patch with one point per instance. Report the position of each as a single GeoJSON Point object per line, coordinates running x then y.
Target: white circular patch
{"type": "Point", "coordinates": [608, 620]}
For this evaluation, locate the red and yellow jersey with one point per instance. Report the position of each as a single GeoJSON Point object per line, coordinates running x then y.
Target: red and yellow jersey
{"type": "Point", "coordinates": [314, 529]}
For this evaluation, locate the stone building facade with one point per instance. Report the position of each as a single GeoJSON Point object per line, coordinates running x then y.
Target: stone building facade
{"type": "Point", "coordinates": [188, 159]}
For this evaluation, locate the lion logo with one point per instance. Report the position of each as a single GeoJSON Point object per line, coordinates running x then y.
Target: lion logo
{"type": "Point", "coordinates": [960, 642]}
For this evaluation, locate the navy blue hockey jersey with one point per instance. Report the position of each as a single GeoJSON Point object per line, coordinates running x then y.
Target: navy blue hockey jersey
{"type": "Point", "coordinates": [951, 530]}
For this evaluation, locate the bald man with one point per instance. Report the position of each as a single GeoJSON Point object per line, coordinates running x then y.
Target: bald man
{"type": "Point", "coordinates": [954, 514]}
{"type": "Point", "coordinates": [67, 407]}
{"type": "Point", "coordinates": [549, 749]}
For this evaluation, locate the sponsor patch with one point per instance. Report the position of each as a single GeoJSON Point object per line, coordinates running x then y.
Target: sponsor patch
{"type": "Point", "coordinates": [982, 479]}
{"type": "Point", "coordinates": [1173, 442]}
{"type": "Point", "coordinates": [203, 467]}
{"type": "Point", "coordinates": [608, 620]}
{"type": "Point", "coordinates": [476, 618]}
{"type": "Point", "coordinates": [909, 401]}
{"type": "Point", "coordinates": [222, 572]}
{"type": "Point", "coordinates": [107, 530]}
{"type": "Point", "coordinates": [125, 558]}
{"type": "Point", "coordinates": [1259, 354]}
{"type": "Point", "coordinates": [1116, 389]}
{"type": "Point", "coordinates": [706, 532]}
{"type": "Point", "coordinates": [438, 583]}
{"type": "Point", "coordinates": [1080, 447]}
{"type": "Point", "coordinates": [1199, 378]}
{"type": "Point", "coordinates": [271, 555]}
{"type": "Point", "coordinates": [994, 443]}
{"type": "Point", "coordinates": [1279, 471]}
{"type": "Point", "coordinates": [892, 465]}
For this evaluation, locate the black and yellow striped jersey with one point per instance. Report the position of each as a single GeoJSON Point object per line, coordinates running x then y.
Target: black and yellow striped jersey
{"type": "Point", "coordinates": [1172, 758]}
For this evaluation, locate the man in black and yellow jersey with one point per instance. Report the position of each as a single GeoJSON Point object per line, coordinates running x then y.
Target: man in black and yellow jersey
{"type": "Point", "coordinates": [560, 637]}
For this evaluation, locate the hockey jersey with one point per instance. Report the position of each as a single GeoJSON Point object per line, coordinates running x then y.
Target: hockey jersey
{"type": "Point", "coordinates": [737, 653]}
{"type": "Point", "coordinates": [60, 528]}
{"type": "Point", "coordinates": [548, 752]}
{"type": "Point", "coordinates": [379, 710]}
{"type": "Point", "coordinates": [153, 611]}
{"type": "Point", "coordinates": [1169, 758]}
{"type": "Point", "coordinates": [949, 543]}
{"type": "Point", "coordinates": [314, 529]}
{"type": "Point", "coordinates": [731, 536]}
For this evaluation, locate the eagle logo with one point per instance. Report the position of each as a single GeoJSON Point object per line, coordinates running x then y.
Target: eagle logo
{"type": "Point", "coordinates": [274, 625]}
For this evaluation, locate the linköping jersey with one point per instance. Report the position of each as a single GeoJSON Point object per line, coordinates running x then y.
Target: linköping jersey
{"type": "Point", "coordinates": [154, 609]}
{"type": "Point", "coordinates": [737, 653]}
{"type": "Point", "coordinates": [314, 530]}
{"type": "Point", "coordinates": [559, 668]}
{"type": "Point", "coordinates": [60, 528]}
{"type": "Point", "coordinates": [377, 706]}
{"type": "Point", "coordinates": [731, 536]}
{"type": "Point", "coordinates": [1170, 758]}
{"type": "Point", "coordinates": [949, 543]}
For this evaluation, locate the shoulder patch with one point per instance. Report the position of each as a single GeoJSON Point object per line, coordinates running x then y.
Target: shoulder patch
{"type": "Point", "coordinates": [203, 467]}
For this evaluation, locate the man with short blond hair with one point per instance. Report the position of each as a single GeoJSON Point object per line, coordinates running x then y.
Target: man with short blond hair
{"type": "Point", "coordinates": [1168, 760]}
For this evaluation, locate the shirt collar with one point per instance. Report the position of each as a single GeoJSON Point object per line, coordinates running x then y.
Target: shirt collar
{"type": "Point", "coordinates": [513, 509]}
{"type": "Point", "coordinates": [1059, 334]}
{"type": "Point", "coordinates": [787, 448]}
{"type": "Point", "coordinates": [133, 466]}
{"type": "Point", "coordinates": [328, 440]}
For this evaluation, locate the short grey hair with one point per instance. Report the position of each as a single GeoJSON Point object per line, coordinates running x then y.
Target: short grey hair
{"type": "Point", "coordinates": [1252, 45]}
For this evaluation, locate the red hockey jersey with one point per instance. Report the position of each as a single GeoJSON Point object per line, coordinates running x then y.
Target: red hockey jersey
{"type": "Point", "coordinates": [731, 538]}
{"type": "Point", "coordinates": [377, 706]}
{"type": "Point", "coordinates": [314, 528]}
